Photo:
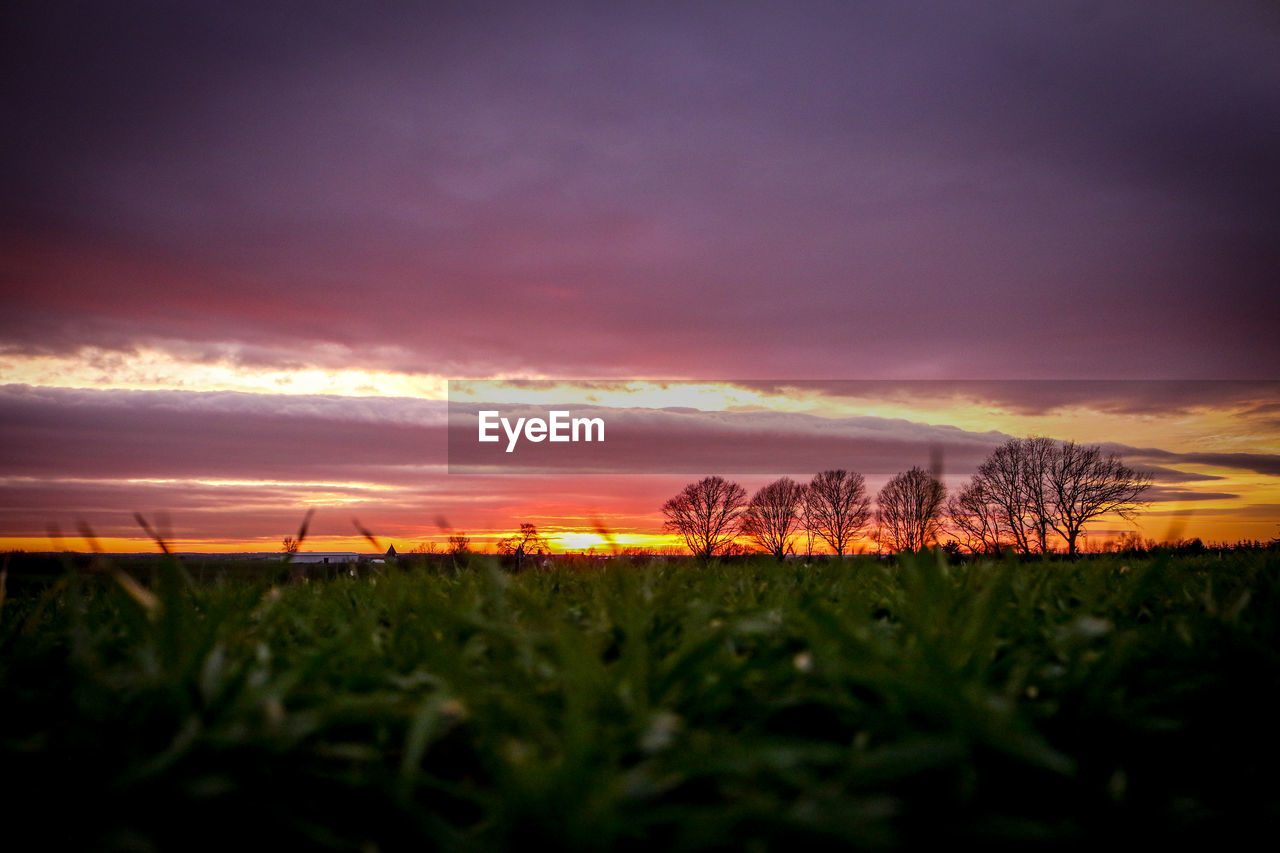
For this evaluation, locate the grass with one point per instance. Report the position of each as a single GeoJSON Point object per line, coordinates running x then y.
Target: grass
{"type": "Point", "coordinates": [745, 705]}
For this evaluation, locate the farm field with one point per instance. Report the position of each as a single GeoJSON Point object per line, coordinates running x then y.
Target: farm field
{"type": "Point", "coordinates": [651, 704]}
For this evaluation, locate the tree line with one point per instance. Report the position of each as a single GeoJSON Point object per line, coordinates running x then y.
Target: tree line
{"type": "Point", "coordinates": [1029, 495]}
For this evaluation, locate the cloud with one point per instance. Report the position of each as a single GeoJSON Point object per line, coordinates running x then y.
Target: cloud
{"type": "Point", "coordinates": [168, 434]}
{"type": "Point", "coordinates": [690, 441]}
{"type": "Point", "coordinates": [311, 438]}
{"type": "Point", "coordinates": [240, 511]}
{"type": "Point", "coordinates": [1164, 494]}
{"type": "Point", "coordinates": [1160, 474]}
{"type": "Point", "coordinates": [824, 190]}
{"type": "Point", "coordinates": [1048, 396]}
{"type": "Point", "coordinates": [236, 465]}
{"type": "Point", "coordinates": [1266, 513]}
{"type": "Point", "coordinates": [1260, 463]}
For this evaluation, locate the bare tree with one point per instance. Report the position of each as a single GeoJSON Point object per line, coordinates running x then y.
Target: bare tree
{"type": "Point", "coordinates": [976, 519]}
{"type": "Point", "coordinates": [706, 514]}
{"type": "Point", "coordinates": [839, 507]}
{"type": "Point", "coordinates": [1004, 478]}
{"type": "Point", "coordinates": [1038, 454]}
{"type": "Point", "coordinates": [525, 541]}
{"type": "Point", "coordinates": [807, 521]}
{"type": "Point", "coordinates": [1033, 488]}
{"type": "Point", "coordinates": [290, 545]}
{"type": "Point", "coordinates": [910, 509]}
{"type": "Point", "coordinates": [1084, 484]}
{"type": "Point", "coordinates": [773, 515]}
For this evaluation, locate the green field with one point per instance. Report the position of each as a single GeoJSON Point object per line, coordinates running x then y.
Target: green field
{"type": "Point", "coordinates": [658, 705]}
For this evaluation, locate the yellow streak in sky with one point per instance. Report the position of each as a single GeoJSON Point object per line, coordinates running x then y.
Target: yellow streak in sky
{"type": "Point", "coordinates": [1197, 429]}
{"type": "Point", "coordinates": [152, 369]}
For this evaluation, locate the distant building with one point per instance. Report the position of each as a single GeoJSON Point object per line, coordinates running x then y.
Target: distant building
{"type": "Point", "coordinates": [336, 557]}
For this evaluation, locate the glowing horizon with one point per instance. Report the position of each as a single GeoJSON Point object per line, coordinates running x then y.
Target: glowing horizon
{"type": "Point", "coordinates": [380, 458]}
{"type": "Point", "coordinates": [1161, 529]}
{"type": "Point", "coordinates": [227, 299]}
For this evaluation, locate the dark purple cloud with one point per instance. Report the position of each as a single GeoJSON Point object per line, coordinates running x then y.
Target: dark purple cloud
{"type": "Point", "coordinates": [1163, 494]}
{"type": "Point", "coordinates": [178, 434]}
{"type": "Point", "coordinates": [1160, 474]}
{"type": "Point", "coordinates": [402, 443]}
{"type": "Point", "coordinates": [815, 189]}
{"type": "Point", "coordinates": [682, 440]}
{"type": "Point", "coordinates": [1259, 463]}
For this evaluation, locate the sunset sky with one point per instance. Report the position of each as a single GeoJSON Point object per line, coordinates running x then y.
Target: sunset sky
{"type": "Point", "coordinates": [245, 246]}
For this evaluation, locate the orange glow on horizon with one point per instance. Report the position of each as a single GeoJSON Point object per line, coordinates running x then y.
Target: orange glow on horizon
{"type": "Point", "coordinates": [1159, 525]}
{"type": "Point", "coordinates": [1234, 503]}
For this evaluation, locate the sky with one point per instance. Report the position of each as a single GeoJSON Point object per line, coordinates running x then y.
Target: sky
{"type": "Point", "coordinates": [244, 247]}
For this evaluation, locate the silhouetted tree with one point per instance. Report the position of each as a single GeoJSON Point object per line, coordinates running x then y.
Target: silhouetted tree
{"type": "Point", "coordinates": [706, 515]}
{"type": "Point", "coordinates": [1038, 453]}
{"type": "Point", "coordinates": [773, 515]}
{"type": "Point", "coordinates": [1004, 481]}
{"type": "Point", "coordinates": [909, 510]}
{"type": "Point", "coordinates": [526, 541]}
{"type": "Point", "coordinates": [1031, 488]}
{"type": "Point", "coordinates": [838, 507]}
{"type": "Point", "coordinates": [976, 519]}
{"type": "Point", "coordinates": [459, 544]}
{"type": "Point", "coordinates": [290, 545]}
{"type": "Point", "coordinates": [1084, 484]}
{"type": "Point", "coordinates": [807, 520]}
